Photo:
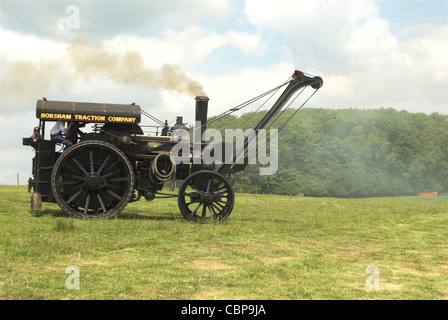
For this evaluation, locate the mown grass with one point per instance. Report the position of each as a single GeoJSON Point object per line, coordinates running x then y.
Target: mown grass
{"type": "Point", "coordinates": [271, 247]}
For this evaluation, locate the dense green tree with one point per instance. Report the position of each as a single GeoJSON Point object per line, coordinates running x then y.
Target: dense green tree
{"type": "Point", "coordinates": [351, 153]}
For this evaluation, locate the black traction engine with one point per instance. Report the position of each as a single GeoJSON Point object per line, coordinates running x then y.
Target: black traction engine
{"type": "Point", "coordinates": [116, 162]}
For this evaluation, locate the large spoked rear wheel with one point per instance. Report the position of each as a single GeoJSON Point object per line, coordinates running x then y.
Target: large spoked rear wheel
{"type": "Point", "coordinates": [92, 180]}
{"type": "Point", "coordinates": [206, 197]}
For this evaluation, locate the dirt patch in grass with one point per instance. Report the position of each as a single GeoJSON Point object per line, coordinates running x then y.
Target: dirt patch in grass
{"type": "Point", "coordinates": [207, 264]}
{"type": "Point", "coordinates": [91, 263]}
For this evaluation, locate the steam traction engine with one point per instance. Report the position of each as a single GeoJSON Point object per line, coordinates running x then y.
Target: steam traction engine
{"type": "Point", "coordinates": [116, 163]}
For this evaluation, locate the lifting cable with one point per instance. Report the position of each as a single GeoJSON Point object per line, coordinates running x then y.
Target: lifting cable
{"type": "Point", "coordinates": [231, 110]}
{"type": "Point", "coordinates": [272, 121]}
{"type": "Point", "coordinates": [236, 108]}
{"type": "Point", "coordinates": [268, 139]}
{"type": "Point", "coordinates": [244, 104]}
{"type": "Point", "coordinates": [160, 122]}
{"type": "Point", "coordinates": [278, 88]}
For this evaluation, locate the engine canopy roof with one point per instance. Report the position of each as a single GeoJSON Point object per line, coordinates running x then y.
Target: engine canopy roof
{"type": "Point", "coordinates": [88, 112]}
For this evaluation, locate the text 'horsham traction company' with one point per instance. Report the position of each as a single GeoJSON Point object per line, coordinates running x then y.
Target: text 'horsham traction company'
{"type": "Point", "coordinates": [81, 117]}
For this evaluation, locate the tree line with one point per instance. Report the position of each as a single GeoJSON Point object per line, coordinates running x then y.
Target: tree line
{"type": "Point", "coordinates": [351, 153]}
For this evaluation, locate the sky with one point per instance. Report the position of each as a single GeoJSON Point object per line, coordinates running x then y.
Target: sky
{"type": "Point", "coordinates": [160, 54]}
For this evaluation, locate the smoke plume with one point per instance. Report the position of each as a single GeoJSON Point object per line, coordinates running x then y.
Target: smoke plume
{"type": "Point", "coordinates": [23, 82]}
{"type": "Point", "coordinates": [129, 69]}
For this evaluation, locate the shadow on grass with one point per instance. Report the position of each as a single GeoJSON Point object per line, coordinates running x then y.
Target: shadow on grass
{"type": "Point", "coordinates": [137, 216]}
{"type": "Point", "coordinates": [50, 212]}
{"type": "Point", "coordinates": [57, 213]}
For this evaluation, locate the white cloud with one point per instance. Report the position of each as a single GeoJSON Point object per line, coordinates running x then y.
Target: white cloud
{"type": "Point", "coordinates": [362, 62]}
{"type": "Point", "coordinates": [20, 47]}
{"type": "Point", "coordinates": [13, 161]}
{"type": "Point", "coordinates": [104, 19]}
{"type": "Point", "coordinates": [250, 44]}
{"type": "Point", "coordinates": [231, 89]}
{"type": "Point", "coordinates": [321, 33]}
{"type": "Point", "coordinates": [187, 47]}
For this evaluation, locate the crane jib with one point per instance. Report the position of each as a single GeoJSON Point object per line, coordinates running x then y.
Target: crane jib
{"type": "Point", "coordinates": [299, 81]}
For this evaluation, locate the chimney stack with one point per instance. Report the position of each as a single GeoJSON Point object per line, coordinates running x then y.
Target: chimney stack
{"type": "Point", "coordinates": [201, 114]}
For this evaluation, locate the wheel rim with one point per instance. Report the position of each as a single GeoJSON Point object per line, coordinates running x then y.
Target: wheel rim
{"type": "Point", "coordinates": [206, 197]}
{"type": "Point", "coordinates": [92, 179]}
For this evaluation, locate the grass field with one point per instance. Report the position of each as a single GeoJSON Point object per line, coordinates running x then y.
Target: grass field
{"type": "Point", "coordinates": [271, 247]}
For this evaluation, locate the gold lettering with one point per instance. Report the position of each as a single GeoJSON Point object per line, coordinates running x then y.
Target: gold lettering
{"type": "Point", "coordinates": [87, 118]}
{"type": "Point", "coordinates": [55, 116]}
{"type": "Point", "coordinates": [83, 117]}
{"type": "Point", "coordinates": [121, 119]}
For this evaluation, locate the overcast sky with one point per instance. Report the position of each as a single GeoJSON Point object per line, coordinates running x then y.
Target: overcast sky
{"type": "Point", "coordinates": [161, 54]}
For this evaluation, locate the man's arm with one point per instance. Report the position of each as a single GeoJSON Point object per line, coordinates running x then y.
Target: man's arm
{"type": "Point", "coordinates": [68, 128]}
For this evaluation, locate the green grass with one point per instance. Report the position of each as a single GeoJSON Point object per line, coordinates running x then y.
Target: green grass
{"type": "Point", "coordinates": [271, 247]}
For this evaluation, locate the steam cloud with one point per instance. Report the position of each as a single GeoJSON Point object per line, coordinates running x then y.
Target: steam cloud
{"type": "Point", "coordinates": [32, 79]}
{"type": "Point", "coordinates": [130, 69]}
{"type": "Point", "coordinates": [25, 81]}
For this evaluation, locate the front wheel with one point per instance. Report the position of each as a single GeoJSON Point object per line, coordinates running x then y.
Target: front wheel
{"type": "Point", "coordinates": [206, 197]}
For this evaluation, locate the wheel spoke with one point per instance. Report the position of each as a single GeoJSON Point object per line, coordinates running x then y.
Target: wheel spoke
{"type": "Point", "coordinates": [112, 165]}
{"type": "Point", "coordinates": [68, 167]}
{"type": "Point", "coordinates": [195, 210]}
{"type": "Point", "coordinates": [204, 211]}
{"type": "Point", "coordinates": [92, 170]}
{"type": "Point", "coordinates": [214, 205]}
{"type": "Point", "coordinates": [73, 197]}
{"type": "Point", "coordinates": [69, 182]}
{"type": "Point", "coordinates": [218, 203]}
{"type": "Point", "coordinates": [72, 176]}
{"type": "Point", "coordinates": [221, 193]}
{"type": "Point", "coordinates": [117, 179]}
{"type": "Point", "coordinates": [111, 174]}
{"type": "Point", "coordinates": [115, 187]}
{"type": "Point", "coordinates": [103, 164]}
{"type": "Point", "coordinates": [80, 166]}
{"type": "Point", "coordinates": [100, 200]}
{"type": "Point", "coordinates": [194, 201]}
{"type": "Point", "coordinates": [113, 194]}
{"type": "Point", "coordinates": [194, 187]}
{"type": "Point", "coordinates": [210, 209]}
{"type": "Point", "coordinates": [86, 205]}
{"type": "Point", "coordinates": [190, 194]}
